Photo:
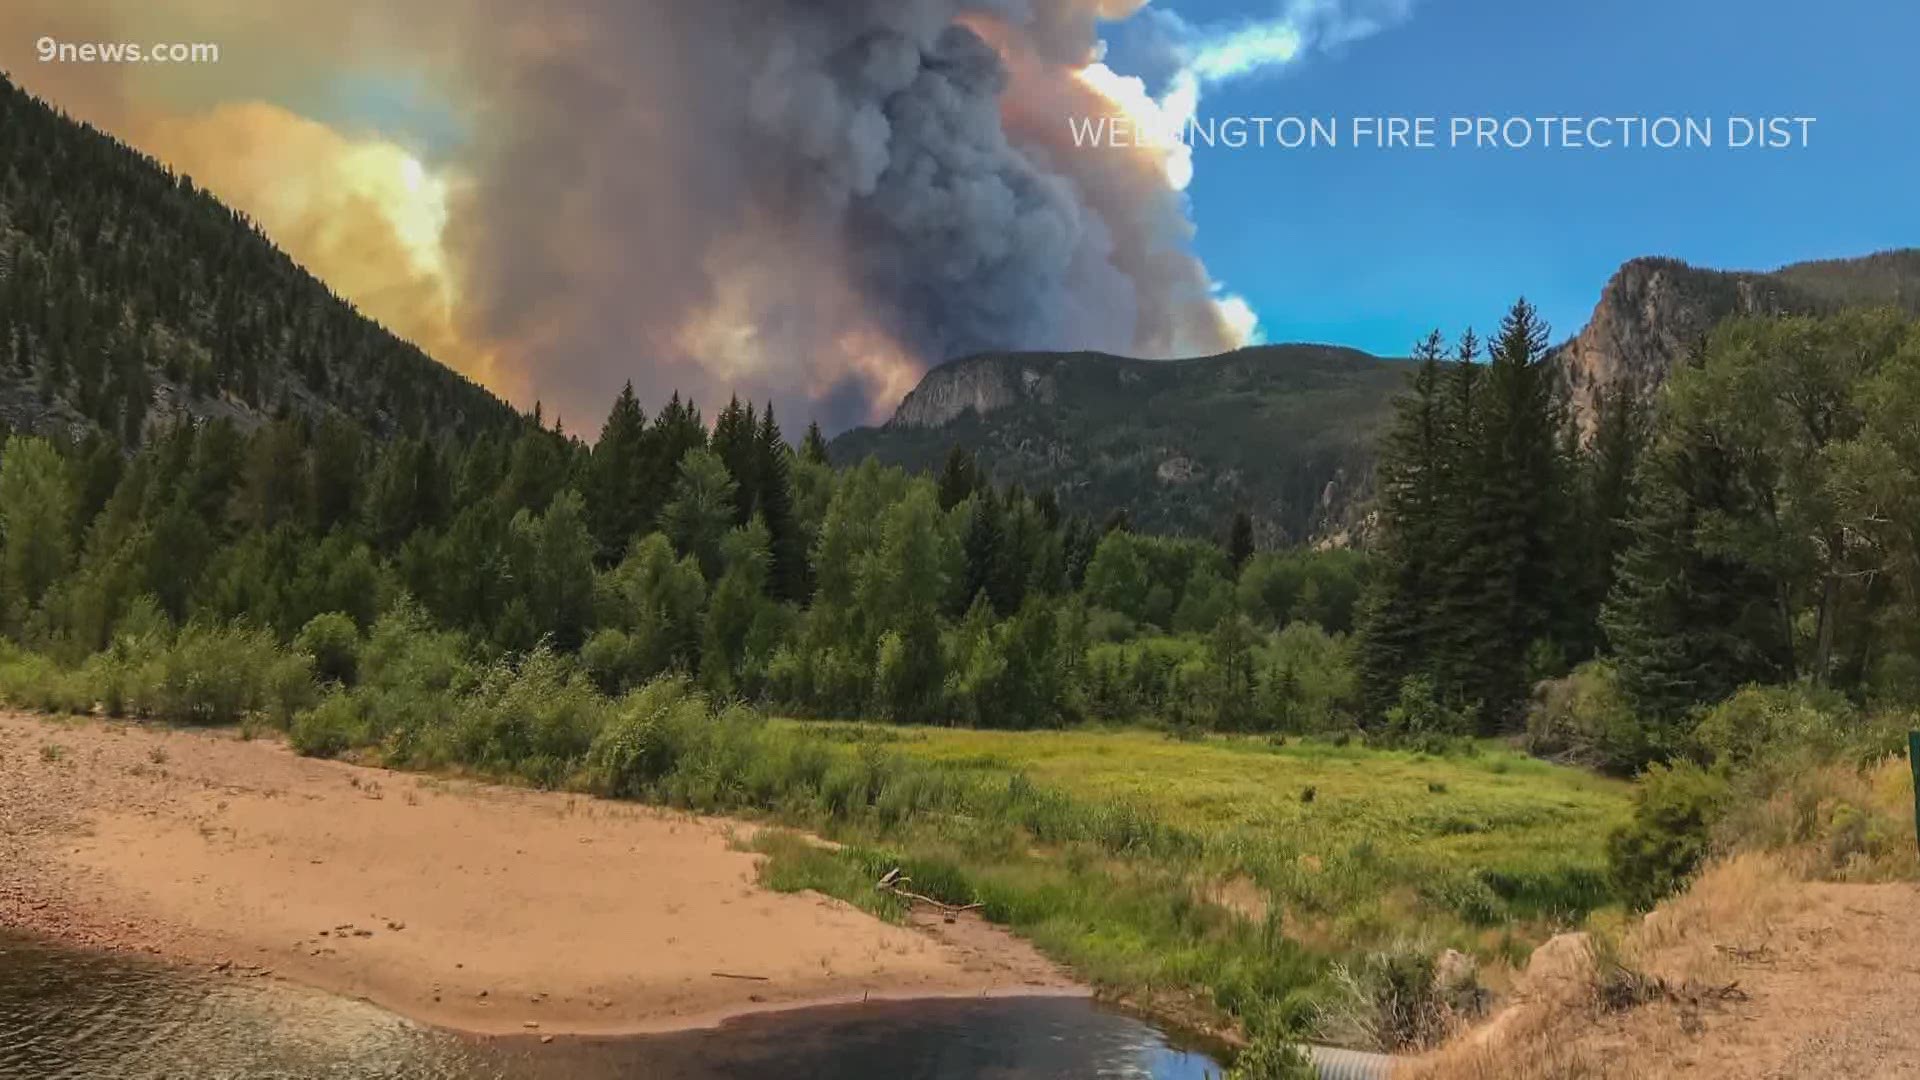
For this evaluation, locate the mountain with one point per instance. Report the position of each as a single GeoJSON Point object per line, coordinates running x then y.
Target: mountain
{"type": "Point", "coordinates": [1653, 312]}
{"type": "Point", "coordinates": [1285, 432]}
{"type": "Point", "coordinates": [128, 295]}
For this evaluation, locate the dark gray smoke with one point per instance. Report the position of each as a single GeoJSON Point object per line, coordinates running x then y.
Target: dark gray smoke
{"type": "Point", "coordinates": [804, 200]}
{"type": "Point", "coordinates": [715, 195]}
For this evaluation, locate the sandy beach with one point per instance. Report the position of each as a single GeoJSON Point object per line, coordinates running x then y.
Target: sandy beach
{"type": "Point", "coordinates": [469, 906]}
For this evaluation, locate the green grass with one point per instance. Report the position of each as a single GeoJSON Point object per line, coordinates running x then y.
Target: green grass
{"type": "Point", "coordinates": [1236, 889]}
{"type": "Point", "coordinates": [1495, 808]}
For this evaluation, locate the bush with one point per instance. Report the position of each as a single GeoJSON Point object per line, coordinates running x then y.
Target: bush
{"type": "Point", "coordinates": [639, 745]}
{"type": "Point", "coordinates": [613, 659]}
{"type": "Point", "coordinates": [1270, 1058]}
{"type": "Point", "coordinates": [1584, 719]}
{"type": "Point", "coordinates": [31, 681]}
{"type": "Point", "coordinates": [329, 730]}
{"type": "Point", "coordinates": [333, 641]}
{"type": "Point", "coordinates": [1844, 821]}
{"type": "Point", "coordinates": [535, 717]}
{"type": "Point", "coordinates": [1419, 719]}
{"type": "Point", "coordinates": [1308, 681]}
{"type": "Point", "coordinates": [1674, 811]}
{"type": "Point", "coordinates": [219, 674]}
{"type": "Point", "coordinates": [1400, 998]}
{"type": "Point", "coordinates": [1782, 729]}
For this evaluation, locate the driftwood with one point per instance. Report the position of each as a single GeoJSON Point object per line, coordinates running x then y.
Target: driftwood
{"type": "Point", "coordinates": [896, 883]}
{"type": "Point", "coordinates": [731, 975]}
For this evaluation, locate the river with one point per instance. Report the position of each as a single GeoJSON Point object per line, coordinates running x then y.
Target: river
{"type": "Point", "coordinates": [67, 1013]}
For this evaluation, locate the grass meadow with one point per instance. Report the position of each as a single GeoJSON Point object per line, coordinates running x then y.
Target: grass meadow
{"type": "Point", "coordinates": [1228, 879]}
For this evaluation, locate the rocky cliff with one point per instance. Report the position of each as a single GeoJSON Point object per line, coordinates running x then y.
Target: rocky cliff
{"type": "Point", "coordinates": [1654, 312]}
{"type": "Point", "coordinates": [982, 384]}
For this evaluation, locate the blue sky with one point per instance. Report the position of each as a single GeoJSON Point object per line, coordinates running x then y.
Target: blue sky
{"type": "Point", "coordinates": [1369, 248]}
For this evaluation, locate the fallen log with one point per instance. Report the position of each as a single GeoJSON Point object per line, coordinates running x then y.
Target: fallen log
{"type": "Point", "coordinates": [895, 882]}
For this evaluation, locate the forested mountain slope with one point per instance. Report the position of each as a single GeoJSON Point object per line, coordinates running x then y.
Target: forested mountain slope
{"type": "Point", "coordinates": [127, 294]}
{"type": "Point", "coordinates": [1284, 432]}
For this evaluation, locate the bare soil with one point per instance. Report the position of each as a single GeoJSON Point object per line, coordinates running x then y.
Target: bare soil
{"type": "Point", "coordinates": [1756, 974]}
{"type": "Point", "coordinates": [465, 905]}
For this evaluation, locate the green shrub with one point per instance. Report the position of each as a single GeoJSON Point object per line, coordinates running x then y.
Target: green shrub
{"type": "Point", "coordinates": [1307, 681]}
{"type": "Point", "coordinates": [1674, 811]}
{"type": "Point", "coordinates": [536, 716]}
{"type": "Point", "coordinates": [1419, 716]}
{"type": "Point", "coordinates": [641, 743]}
{"type": "Point", "coordinates": [1270, 1058]}
{"type": "Point", "coordinates": [216, 674]}
{"type": "Point", "coordinates": [1782, 729]}
{"type": "Point", "coordinates": [31, 681]}
{"type": "Point", "coordinates": [612, 657]}
{"type": "Point", "coordinates": [330, 729]}
{"type": "Point", "coordinates": [405, 652]}
{"type": "Point", "coordinates": [1584, 719]}
{"type": "Point", "coordinates": [332, 639]}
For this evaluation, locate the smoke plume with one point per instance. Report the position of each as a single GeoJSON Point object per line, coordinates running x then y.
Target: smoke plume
{"type": "Point", "coordinates": [809, 201]}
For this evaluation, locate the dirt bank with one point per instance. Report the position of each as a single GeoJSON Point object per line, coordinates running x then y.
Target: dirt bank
{"type": "Point", "coordinates": [464, 905]}
{"type": "Point", "coordinates": [1752, 973]}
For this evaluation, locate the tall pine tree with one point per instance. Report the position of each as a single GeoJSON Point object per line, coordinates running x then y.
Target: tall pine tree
{"type": "Point", "coordinates": [1395, 636]}
{"type": "Point", "coordinates": [616, 499]}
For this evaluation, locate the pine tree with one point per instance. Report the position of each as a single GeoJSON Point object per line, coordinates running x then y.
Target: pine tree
{"type": "Point", "coordinates": [336, 472]}
{"type": "Point", "coordinates": [814, 447]}
{"type": "Point", "coordinates": [774, 504]}
{"type": "Point", "coordinates": [273, 488]}
{"type": "Point", "coordinates": [1506, 585]}
{"type": "Point", "coordinates": [1687, 623]}
{"type": "Point", "coordinates": [981, 546]}
{"type": "Point", "coordinates": [676, 430]}
{"type": "Point", "coordinates": [1397, 629]}
{"type": "Point", "coordinates": [735, 441]}
{"type": "Point", "coordinates": [615, 475]}
{"type": "Point", "coordinates": [959, 478]}
{"type": "Point", "coordinates": [1606, 499]}
{"type": "Point", "coordinates": [1239, 546]}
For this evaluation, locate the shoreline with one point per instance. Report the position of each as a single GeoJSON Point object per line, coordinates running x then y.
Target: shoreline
{"type": "Point", "coordinates": [479, 909]}
{"type": "Point", "coordinates": [712, 1021]}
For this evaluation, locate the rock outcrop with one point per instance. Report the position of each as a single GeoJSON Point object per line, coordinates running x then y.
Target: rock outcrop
{"type": "Point", "coordinates": [1651, 315]}
{"type": "Point", "coordinates": [981, 384]}
{"type": "Point", "coordinates": [1655, 312]}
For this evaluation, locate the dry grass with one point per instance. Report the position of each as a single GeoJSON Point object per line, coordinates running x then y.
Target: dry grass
{"type": "Point", "coordinates": [1732, 910]}
{"type": "Point", "coordinates": [1597, 1007]}
{"type": "Point", "coordinates": [1755, 970]}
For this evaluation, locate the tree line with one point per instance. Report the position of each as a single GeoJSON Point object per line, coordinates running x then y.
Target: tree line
{"type": "Point", "coordinates": [670, 545]}
{"type": "Point", "coordinates": [1751, 524]}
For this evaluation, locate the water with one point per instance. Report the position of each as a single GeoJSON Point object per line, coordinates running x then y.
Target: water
{"type": "Point", "coordinates": [67, 1014]}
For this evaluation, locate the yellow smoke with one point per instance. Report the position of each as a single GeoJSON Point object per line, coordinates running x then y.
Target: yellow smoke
{"type": "Point", "coordinates": [363, 214]}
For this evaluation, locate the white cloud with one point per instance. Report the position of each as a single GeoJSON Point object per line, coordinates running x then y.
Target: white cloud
{"type": "Point", "coordinates": [1240, 319]}
{"type": "Point", "coordinates": [1249, 49]}
{"type": "Point", "coordinates": [1187, 60]}
{"type": "Point", "coordinates": [1218, 54]}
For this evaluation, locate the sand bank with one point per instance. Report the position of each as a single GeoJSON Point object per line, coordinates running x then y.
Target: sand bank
{"type": "Point", "coordinates": [465, 905]}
